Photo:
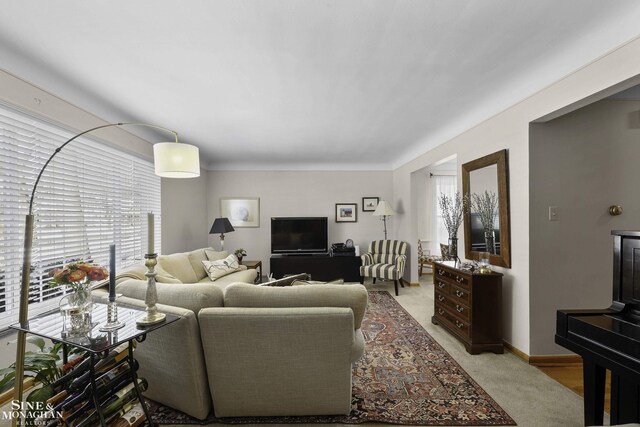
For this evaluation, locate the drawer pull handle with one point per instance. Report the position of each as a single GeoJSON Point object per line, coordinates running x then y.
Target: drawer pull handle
{"type": "Point", "coordinates": [441, 285]}
{"type": "Point", "coordinates": [440, 311]}
{"type": "Point", "coordinates": [440, 298]}
{"type": "Point", "coordinates": [459, 294]}
{"type": "Point", "coordinates": [459, 279]}
{"type": "Point", "coordinates": [459, 324]}
{"type": "Point", "coordinates": [459, 309]}
{"type": "Point", "coordinates": [441, 272]}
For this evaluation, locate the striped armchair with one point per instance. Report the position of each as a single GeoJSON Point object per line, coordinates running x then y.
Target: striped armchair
{"type": "Point", "coordinates": [385, 260]}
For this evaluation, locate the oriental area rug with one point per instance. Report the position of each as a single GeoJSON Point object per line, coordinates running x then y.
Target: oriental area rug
{"type": "Point", "coordinates": [404, 377]}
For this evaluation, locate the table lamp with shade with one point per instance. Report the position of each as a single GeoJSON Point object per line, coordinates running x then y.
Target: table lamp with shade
{"type": "Point", "coordinates": [171, 159]}
{"type": "Point", "coordinates": [384, 210]}
{"type": "Point", "coordinates": [221, 225]}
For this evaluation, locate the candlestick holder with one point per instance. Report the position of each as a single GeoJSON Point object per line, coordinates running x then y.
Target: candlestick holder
{"type": "Point", "coordinates": [112, 318]}
{"type": "Point", "coordinates": [152, 315]}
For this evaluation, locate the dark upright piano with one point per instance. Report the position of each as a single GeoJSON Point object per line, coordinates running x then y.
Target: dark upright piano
{"type": "Point", "coordinates": [610, 339]}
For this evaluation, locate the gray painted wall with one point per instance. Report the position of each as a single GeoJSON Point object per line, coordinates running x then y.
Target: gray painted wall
{"type": "Point", "coordinates": [299, 193]}
{"type": "Point", "coordinates": [582, 163]}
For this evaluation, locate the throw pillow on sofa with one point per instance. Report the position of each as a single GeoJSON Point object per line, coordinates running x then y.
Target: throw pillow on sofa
{"type": "Point", "coordinates": [220, 268]}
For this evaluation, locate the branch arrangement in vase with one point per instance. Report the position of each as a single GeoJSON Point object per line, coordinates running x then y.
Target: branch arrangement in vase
{"type": "Point", "coordinates": [486, 205]}
{"type": "Point", "coordinates": [452, 209]}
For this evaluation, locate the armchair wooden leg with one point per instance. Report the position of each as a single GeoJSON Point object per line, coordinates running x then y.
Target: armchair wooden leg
{"type": "Point", "coordinates": [401, 283]}
{"type": "Point", "coordinates": [395, 283]}
{"type": "Point", "coordinates": [374, 280]}
{"type": "Point", "coordinates": [362, 280]}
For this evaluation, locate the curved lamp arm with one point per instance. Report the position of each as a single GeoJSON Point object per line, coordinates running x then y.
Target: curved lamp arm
{"type": "Point", "coordinates": [57, 150]}
{"type": "Point", "coordinates": [26, 261]}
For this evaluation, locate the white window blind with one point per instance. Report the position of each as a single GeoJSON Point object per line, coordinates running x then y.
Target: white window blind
{"type": "Point", "coordinates": [89, 197]}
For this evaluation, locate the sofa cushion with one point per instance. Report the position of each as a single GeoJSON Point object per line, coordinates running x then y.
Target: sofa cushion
{"type": "Point", "coordinates": [352, 296]}
{"type": "Point", "coordinates": [213, 255]}
{"type": "Point", "coordinates": [163, 276]}
{"type": "Point", "coordinates": [178, 266]}
{"type": "Point", "coordinates": [133, 272]}
{"type": "Point", "coordinates": [195, 259]}
{"type": "Point", "coordinates": [217, 269]}
{"type": "Point", "coordinates": [192, 296]}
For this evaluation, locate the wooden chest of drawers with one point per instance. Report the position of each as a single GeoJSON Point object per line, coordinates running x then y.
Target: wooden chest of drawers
{"type": "Point", "coordinates": [469, 306]}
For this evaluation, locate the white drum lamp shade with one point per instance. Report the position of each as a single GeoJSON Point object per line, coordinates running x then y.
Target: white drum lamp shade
{"type": "Point", "coordinates": [176, 160]}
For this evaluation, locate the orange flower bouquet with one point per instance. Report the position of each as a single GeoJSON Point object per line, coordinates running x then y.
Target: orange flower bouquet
{"type": "Point", "coordinates": [77, 275]}
{"type": "Point", "coordinates": [77, 305]}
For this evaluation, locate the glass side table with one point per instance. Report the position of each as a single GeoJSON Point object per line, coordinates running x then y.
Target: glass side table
{"type": "Point", "coordinates": [51, 325]}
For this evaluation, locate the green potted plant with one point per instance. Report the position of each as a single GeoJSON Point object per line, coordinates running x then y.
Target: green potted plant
{"type": "Point", "coordinates": [240, 253]}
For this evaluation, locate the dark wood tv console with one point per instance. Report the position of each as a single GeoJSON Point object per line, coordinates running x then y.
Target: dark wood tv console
{"type": "Point", "coordinates": [320, 267]}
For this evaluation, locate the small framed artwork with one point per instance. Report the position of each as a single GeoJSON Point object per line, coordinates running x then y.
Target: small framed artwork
{"type": "Point", "coordinates": [242, 212]}
{"type": "Point", "coordinates": [369, 204]}
{"type": "Point", "coordinates": [346, 212]}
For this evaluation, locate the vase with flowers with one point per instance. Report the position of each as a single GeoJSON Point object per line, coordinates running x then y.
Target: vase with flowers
{"type": "Point", "coordinates": [486, 205]}
{"type": "Point", "coordinates": [240, 253]}
{"type": "Point", "coordinates": [452, 208]}
{"type": "Point", "coordinates": [76, 306]}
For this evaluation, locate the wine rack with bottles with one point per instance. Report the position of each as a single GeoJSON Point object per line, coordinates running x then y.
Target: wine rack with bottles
{"type": "Point", "coordinates": [98, 391]}
{"type": "Point", "coordinates": [101, 387]}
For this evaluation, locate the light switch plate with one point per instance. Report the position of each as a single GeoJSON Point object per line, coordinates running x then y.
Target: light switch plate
{"type": "Point", "coordinates": [553, 213]}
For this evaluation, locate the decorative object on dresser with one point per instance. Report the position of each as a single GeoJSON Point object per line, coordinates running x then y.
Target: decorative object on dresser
{"type": "Point", "coordinates": [385, 260]}
{"type": "Point", "coordinates": [241, 211]}
{"type": "Point", "coordinates": [221, 225]}
{"type": "Point", "coordinates": [369, 204]}
{"type": "Point", "coordinates": [384, 210]}
{"type": "Point", "coordinates": [346, 212]}
{"type": "Point", "coordinates": [484, 176]}
{"type": "Point", "coordinates": [452, 209]}
{"type": "Point", "coordinates": [469, 305]}
{"type": "Point", "coordinates": [171, 159]}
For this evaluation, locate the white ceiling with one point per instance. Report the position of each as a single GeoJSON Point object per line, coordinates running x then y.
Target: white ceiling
{"type": "Point", "coordinates": [331, 84]}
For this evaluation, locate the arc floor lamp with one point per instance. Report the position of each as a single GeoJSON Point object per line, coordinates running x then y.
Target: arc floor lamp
{"type": "Point", "coordinates": [171, 160]}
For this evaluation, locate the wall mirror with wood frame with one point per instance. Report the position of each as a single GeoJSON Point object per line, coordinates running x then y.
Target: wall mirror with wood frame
{"type": "Point", "coordinates": [485, 182]}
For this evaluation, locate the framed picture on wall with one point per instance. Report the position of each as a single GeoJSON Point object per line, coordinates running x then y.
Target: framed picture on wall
{"type": "Point", "coordinates": [369, 204]}
{"type": "Point", "coordinates": [241, 211]}
{"type": "Point", "coordinates": [346, 212]}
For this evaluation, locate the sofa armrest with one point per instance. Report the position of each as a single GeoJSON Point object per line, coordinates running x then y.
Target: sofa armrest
{"type": "Point", "coordinates": [367, 259]}
{"type": "Point", "coordinates": [171, 359]}
{"type": "Point", "coordinates": [192, 296]}
{"type": "Point", "coordinates": [278, 361]}
{"type": "Point", "coordinates": [400, 262]}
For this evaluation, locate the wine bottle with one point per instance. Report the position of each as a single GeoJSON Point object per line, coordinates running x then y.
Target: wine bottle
{"type": "Point", "coordinates": [133, 417]}
{"type": "Point", "coordinates": [81, 409]}
{"type": "Point", "coordinates": [114, 404]}
{"type": "Point", "coordinates": [116, 355]}
{"type": "Point", "coordinates": [79, 369]}
{"type": "Point", "coordinates": [55, 399]}
{"type": "Point", "coordinates": [103, 385]}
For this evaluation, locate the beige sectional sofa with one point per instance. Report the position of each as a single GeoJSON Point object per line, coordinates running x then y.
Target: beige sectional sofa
{"type": "Point", "coordinates": [246, 350]}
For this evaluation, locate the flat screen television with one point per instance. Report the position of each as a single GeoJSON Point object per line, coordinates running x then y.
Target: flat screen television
{"type": "Point", "coordinates": [299, 235]}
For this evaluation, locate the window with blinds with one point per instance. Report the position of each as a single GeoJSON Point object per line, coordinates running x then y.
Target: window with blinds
{"type": "Point", "coordinates": [89, 197]}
